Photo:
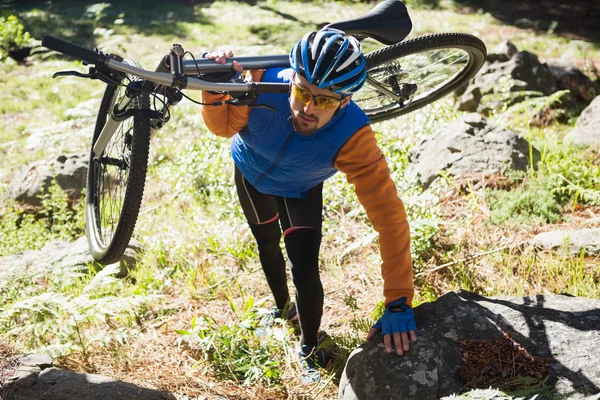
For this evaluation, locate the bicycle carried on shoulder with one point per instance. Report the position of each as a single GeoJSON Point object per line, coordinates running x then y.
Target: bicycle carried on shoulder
{"type": "Point", "coordinates": [402, 77]}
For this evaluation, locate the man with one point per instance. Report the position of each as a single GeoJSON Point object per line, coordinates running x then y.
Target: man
{"type": "Point", "coordinates": [284, 147]}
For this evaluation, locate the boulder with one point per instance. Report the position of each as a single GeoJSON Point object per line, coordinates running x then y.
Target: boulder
{"type": "Point", "coordinates": [33, 377]}
{"type": "Point", "coordinates": [586, 131]}
{"type": "Point", "coordinates": [469, 147]}
{"type": "Point", "coordinates": [60, 137]}
{"type": "Point", "coordinates": [70, 172]}
{"type": "Point", "coordinates": [563, 329]}
{"type": "Point", "coordinates": [88, 108]}
{"type": "Point", "coordinates": [582, 88]}
{"type": "Point", "coordinates": [506, 49]}
{"type": "Point", "coordinates": [507, 77]}
{"type": "Point", "coordinates": [59, 255]}
{"type": "Point", "coordinates": [570, 242]}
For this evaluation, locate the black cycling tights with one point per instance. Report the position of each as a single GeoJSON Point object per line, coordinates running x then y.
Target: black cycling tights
{"type": "Point", "coordinates": [301, 221]}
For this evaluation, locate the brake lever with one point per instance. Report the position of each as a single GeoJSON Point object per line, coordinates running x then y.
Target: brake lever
{"type": "Point", "coordinates": [92, 74]}
{"type": "Point", "coordinates": [73, 73]}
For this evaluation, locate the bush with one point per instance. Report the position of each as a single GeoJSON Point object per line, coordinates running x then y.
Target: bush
{"type": "Point", "coordinates": [532, 205]}
{"type": "Point", "coordinates": [58, 220]}
{"type": "Point", "coordinates": [12, 36]}
{"type": "Point", "coordinates": [240, 351]}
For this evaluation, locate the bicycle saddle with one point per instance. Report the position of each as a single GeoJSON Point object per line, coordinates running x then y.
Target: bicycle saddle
{"type": "Point", "coordinates": [387, 23]}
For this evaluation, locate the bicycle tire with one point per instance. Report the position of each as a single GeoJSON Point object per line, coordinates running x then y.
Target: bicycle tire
{"type": "Point", "coordinates": [394, 69]}
{"type": "Point", "coordinates": [116, 180]}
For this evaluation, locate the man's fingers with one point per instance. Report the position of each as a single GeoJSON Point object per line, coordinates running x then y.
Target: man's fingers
{"type": "Point", "coordinates": [404, 336]}
{"type": "Point", "coordinates": [372, 333]}
{"type": "Point", "coordinates": [237, 66]}
{"type": "Point", "coordinates": [220, 56]}
{"type": "Point", "coordinates": [398, 344]}
{"type": "Point", "coordinates": [387, 342]}
{"type": "Point", "coordinates": [413, 336]}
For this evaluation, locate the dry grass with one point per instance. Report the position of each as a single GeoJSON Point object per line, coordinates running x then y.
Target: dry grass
{"type": "Point", "coordinates": [469, 253]}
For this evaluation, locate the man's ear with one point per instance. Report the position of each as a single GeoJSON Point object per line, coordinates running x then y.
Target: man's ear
{"type": "Point", "coordinates": [346, 101]}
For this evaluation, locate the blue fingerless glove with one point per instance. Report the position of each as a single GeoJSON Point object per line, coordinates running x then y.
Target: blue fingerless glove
{"type": "Point", "coordinates": [397, 317]}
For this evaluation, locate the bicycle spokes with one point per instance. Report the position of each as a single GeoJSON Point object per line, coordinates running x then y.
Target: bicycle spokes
{"type": "Point", "coordinates": [113, 168]}
{"type": "Point", "coordinates": [400, 81]}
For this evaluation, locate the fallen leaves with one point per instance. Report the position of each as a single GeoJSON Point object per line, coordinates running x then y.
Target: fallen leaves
{"type": "Point", "coordinates": [497, 361]}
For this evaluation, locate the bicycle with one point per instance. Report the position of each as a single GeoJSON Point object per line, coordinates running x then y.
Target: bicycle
{"type": "Point", "coordinates": [402, 77]}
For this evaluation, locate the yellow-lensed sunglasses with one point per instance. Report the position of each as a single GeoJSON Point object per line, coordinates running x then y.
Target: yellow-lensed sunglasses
{"type": "Point", "coordinates": [321, 102]}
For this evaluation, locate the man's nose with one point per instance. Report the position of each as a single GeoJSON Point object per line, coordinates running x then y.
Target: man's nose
{"type": "Point", "coordinates": [310, 106]}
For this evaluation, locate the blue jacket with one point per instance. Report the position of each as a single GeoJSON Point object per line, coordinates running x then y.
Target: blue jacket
{"type": "Point", "coordinates": [275, 158]}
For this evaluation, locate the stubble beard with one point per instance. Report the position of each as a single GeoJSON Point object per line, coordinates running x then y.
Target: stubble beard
{"type": "Point", "coordinates": [304, 131]}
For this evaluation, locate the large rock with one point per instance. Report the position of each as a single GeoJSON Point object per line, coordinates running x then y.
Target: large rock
{"type": "Point", "coordinates": [59, 255]}
{"type": "Point", "coordinates": [564, 329]}
{"type": "Point", "coordinates": [507, 77]}
{"type": "Point", "coordinates": [60, 137]}
{"type": "Point", "coordinates": [587, 127]}
{"type": "Point", "coordinates": [34, 378]}
{"type": "Point", "coordinates": [569, 78]}
{"type": "Point", "coordinates": [70, 172]}
{"type": "Point", "coordinates": [570, 242]}
{"type": "Point", "coordinates": [469, 147]}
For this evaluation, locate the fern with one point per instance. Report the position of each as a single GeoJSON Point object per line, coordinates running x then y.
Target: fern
{"type": "Point", "coordinates": [513, 115]}
{"type": "Point", "coordinates": [56, 319]}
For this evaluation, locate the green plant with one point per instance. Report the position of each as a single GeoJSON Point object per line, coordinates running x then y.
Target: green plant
{"type": "Point", "coordinates": [12, 35]}
{"type": "Point", "coordinates": [568, 176]}
{"type": "Point", "coordinates": [530, 204]}
{"type": "Point", "coordinates": [563, 176]}
{"type": "Point", "coordinates": [56, 311]}
{"type": "Point", "coordinates": [236, 351]}
{"type": "Point", "coordinates": [519, 114]}
{"type": "Point", "coordinates": [57, 220]}
{"type": "Point", "coordinates": [96, 12]}
{"type": "Point", "coordinates": [348, 341]}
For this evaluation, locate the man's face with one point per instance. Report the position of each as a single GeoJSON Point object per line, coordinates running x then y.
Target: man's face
{"type": "Point", "coordinates": [306, 117]}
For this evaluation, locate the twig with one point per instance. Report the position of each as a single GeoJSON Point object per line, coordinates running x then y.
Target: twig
{"type": "Point", "coordinates": [316, 395]}
{"type": "Point", "coordinates": [228, 279]}
{"type": "Point", "coordinates": [335, 290]}
{"type": "Point", "coordinates": [162, 203]}
{"type": "Point", "coordinates": [461, 260]}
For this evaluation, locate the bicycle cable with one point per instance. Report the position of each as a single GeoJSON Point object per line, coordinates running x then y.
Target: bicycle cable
{"type": "Point", "coordinates": [249, 97]}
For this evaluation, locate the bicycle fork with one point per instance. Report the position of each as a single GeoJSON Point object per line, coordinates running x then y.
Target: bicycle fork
{"type": "Point", "coordinates": [109, 129]}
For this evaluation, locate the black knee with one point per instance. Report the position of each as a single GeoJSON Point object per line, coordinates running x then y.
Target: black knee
{"type": "Point", "coordinates": [267, 236]}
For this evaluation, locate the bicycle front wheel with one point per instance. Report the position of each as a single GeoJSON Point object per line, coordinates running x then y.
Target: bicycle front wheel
{"type": "Point", "coordinates": [115, 183]}
{"type": "Point", "coordinates": [409, 75]}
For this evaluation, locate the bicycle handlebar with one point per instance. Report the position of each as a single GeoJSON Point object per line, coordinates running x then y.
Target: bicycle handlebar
{"type": "Point", "coordinates": [162, 78]}
{"type": "Point", "coordinates": [91, 56]}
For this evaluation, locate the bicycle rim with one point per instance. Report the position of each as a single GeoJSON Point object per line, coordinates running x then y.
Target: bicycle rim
{"type": "Point", "coordinates": [409, 75]}
{"type": "Point", "coordinates": [116, 178]}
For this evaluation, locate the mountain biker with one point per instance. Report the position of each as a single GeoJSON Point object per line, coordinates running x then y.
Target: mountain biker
{"type": "Point", "coordinates": [284, 147]}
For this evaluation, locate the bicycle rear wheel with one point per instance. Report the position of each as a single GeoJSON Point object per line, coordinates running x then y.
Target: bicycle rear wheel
{"type": "Point", "coordinates": [409, 75]}
{"type": "Point", "coordinates": [116, 179]}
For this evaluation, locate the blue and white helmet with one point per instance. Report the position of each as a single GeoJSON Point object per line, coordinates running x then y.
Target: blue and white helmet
{"type": "Point", "coordinates": [329, 61]}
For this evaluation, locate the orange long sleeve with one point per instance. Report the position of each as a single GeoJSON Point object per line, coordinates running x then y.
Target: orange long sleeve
{"type": "Point", "coordinates": [226, 120]}
{"type": "Point", "coordinates": [366, 168]}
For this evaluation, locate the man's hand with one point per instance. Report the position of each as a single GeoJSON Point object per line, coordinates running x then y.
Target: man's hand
{"type": "Point", "coordinates": [221, 57]}
{"type": "Point", "coordinates": [397, 322]}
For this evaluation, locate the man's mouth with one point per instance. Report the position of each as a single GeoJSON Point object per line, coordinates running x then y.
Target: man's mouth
{"type": "Point", "coordinates": [306, 119]}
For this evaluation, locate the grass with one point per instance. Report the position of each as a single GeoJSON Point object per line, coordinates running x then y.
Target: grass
{"type": "Point", "coordinates": [200, 262]}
